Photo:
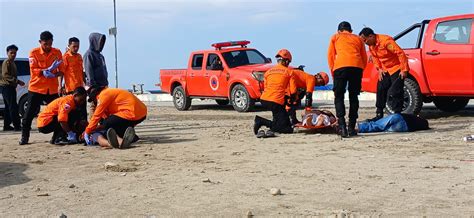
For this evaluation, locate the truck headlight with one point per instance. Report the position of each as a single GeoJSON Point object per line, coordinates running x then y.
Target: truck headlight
{"type": "Point", "coordinates": [258, 75]}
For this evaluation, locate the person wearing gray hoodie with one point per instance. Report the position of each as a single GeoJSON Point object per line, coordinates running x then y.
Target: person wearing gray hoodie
{"type": "Point", "coordinates": [94, 62]}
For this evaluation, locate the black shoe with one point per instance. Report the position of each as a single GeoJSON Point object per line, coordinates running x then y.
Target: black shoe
{"type": "Point", "coordinates": [61, 141]}
{"type": "Point", "coordinates": [343, 128]}
{"type": "Point", "coordinates": [135, 139]}
{"type": "Point", "coordinates": [256, 125]}
{"type": "Point", "coordinates": [24, 140]}
{"type": "Point", "coordinates": [378, 116]}
{"type": "Point", "coordinates": [351, 129]}
{"type": "Point", "coordinates": [17, 129]}
{"type": "Point", "coordinates": [8, 128]}
{"type": "Point", "coordinates": [269, 134]}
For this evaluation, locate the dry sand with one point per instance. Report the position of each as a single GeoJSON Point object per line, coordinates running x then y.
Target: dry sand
{"type": "Point", "coordinates": [207, 162]}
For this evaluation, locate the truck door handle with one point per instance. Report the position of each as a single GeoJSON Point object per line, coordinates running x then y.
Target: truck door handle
{"type": "Point", "coordinates": [434, 52]}
{"type": "Point", "coordinates": [192, 74]}
{"type": "Point", "coordinates": [207, 74]}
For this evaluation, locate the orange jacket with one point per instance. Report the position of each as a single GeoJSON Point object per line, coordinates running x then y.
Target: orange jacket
{"type": "Point", "coordinates": [387, 55]}
{"type": "Point", "coordinates": [304, 80]}
{"type": "Point", "coordinates": [73, 71]}
{"type": "Point", "coordinates": [39, 60]}
{"type": "Point", "coordinates": [346, 50]}
{"type": "Point", "coordinates": [116, 102]}
{"type": "Point", "coordinates": [278, 81]}
{"type": "Point", "coordinates": [59, 107]}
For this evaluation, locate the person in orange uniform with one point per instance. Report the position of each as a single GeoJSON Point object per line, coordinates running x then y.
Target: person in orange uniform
{"type": "Point", "coordinates": [61, 117]}
{"type": "Point", "coordinates": [278, 82]}
{"type": "Point", "coordinates": [392, 64]}
{"type": "Point", "coordinates": [73, 70]}
{"type": "Point", "coordinates": [347, 59]}
{"type": "Point", "coordinates": [72, 67]}
{"type": "Point", "coordinates": [44, 63]}
{"type": "Point", "coordinates": [305, 84]}
{"type": "Point", "coordinates": [122, 111]}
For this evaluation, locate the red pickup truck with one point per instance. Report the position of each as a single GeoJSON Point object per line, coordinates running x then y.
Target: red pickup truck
{"type": "Point", "coordinates": [231, 72]}
{"type": "Point", "coordinates": [441, 65]}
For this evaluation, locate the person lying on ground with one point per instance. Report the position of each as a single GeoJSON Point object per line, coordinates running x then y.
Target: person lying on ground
{"type": "Point", "coordinates": [108, 139]}
{"type": "Point", "coordinates": [394, 123]}
{"type": "Point", "coordinates": [318, 118]}
{"type": "Point", "coordinates": [62, 118]}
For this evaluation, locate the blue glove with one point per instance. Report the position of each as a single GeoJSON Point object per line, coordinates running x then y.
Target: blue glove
{"type": "Point", "coordinates": [71, 137]}
{"type": "Point", "coordinates": [55, 65]}
{"type": "Point", "coordinates": [48, 74]}
{"type": "Point", "coordinates": [87, 138]}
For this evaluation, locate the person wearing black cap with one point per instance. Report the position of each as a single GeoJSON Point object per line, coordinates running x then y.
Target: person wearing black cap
{"type": "Point", "coordinates": [347, 59]}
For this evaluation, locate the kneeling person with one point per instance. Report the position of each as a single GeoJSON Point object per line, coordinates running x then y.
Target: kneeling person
{"type": "Point", "coordinates": [61, 117]}
{"type": "Point", "coordinates": [121, 111]}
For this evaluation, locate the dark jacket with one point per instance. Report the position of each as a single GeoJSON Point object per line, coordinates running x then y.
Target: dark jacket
{"type": "Point", "coordinates": [8, 76]}
{"type": "Point", "coordinates": [94, 62]}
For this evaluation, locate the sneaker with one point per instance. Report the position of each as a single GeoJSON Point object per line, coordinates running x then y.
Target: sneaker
{"type": "Point", "coordinates": [23, 140]}
{"type": "Point", "coordinates": [61, 141]}
{"type": "Point", "coordinates": [128, 137]}
{"type": "Point", "coordinates": [261, 134]}
{"type": "Point", "coordinates": [269, 134]}
{"type": "Point", "coordinates": [8, 128]}
{"type": "Point", "coordinates": [112, 138]}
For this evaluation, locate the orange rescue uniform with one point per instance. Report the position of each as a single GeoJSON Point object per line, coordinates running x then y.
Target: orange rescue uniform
{"type": "Point", "coordinates": [116, 102]}
{"type": "Point", "coordinates": [346, 50]}
{"type": "Point", "coordinates": [73, 70]}
{"type": "Point", "coordinates": [388, 56]}
{"type": "Point", "coordinates": [59, 107]}
{"type": "Point", "coordinates": [278, 81]}
{"type": "Point", "coordinates": [304, 80]}
{"type": "Point", "coordinates": [40, 60]}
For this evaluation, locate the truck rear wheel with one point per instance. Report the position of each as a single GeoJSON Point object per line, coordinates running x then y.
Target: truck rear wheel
{"type": "Point", "coordinates": [450, 104]}
{"type": "Point", "coordinates": [412, 98]}
{"type": "Point", "coordinates": [240, 99]}
{"type": "Point", "coordinates": [222, 102]}
{"type": "Point", "coordinates": [180, 100]}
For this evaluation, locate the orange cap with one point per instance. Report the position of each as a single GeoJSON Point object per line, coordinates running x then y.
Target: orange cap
{"type": "Point", "coordinates": [285, 54]}
{"type": "Point", "coordinates": [325, 77]}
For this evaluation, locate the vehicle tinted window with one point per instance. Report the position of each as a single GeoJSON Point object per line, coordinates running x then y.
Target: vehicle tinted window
{"type": "Point", "coordinates": [212, 60]}
{"type": "Point", "coordinates": [197, 61]}
{"type": "Point", "coordinates": [244, 57]}
{"type": "Point", "coordinates": [454, 32]}
{"type": "Point", "coordinates": [23, 68]}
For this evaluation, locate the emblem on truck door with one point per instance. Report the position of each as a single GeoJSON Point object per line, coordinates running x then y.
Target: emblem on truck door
{"type": "Point", "coordinates": [214, 82]}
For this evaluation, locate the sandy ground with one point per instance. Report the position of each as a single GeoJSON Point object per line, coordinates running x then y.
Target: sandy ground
{"type": "Point", "coordinates": [207, 162]}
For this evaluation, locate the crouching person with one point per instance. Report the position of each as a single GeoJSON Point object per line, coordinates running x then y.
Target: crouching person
{"type": "Point", "coordinates": [61, 118]}
{"type": "Point", "coordinates": [394, 123]}
{"type": "Point", "coordinates": [120, 110]}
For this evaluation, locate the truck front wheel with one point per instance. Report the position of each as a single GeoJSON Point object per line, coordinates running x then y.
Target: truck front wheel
{"type": "Point", "coordinates": [412, 98]}
{"type": "Point", "coordinates": [180, 100]}
{"type": "Point", "coordinates": [450, 104]}
{"type": "Point", "coordinates": [240, 99]}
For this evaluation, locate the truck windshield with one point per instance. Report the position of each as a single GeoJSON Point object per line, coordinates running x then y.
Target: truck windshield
{"type": "Point", "coordinates": [243, 57]}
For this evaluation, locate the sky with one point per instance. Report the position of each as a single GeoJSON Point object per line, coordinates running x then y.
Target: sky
{"type": "Point", "coordinates": [154, 35]}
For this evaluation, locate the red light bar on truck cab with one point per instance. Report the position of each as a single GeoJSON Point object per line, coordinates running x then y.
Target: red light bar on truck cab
{"type": "Point", "coordinates": [229, 44]}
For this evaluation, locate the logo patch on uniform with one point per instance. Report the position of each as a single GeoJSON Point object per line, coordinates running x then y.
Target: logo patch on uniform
{"type": "Point", "coordinates": [32, 60]}
{"type": "Point", "coordinates": [214, 82]}
{"type": "Point", "coordinates": [390, 47]}
{"type": "Point", "coordinates": [67, 107]}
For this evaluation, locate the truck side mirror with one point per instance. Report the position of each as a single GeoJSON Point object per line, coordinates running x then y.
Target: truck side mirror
{"type": "Point", "coordinates": [268, 60]}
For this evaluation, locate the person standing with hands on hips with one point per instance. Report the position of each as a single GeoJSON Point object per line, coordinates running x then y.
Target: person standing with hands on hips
{"type": "Point", "coordinates": [392, 64]}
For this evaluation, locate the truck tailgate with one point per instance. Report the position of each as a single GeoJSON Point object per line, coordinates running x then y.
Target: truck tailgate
{"type": "Point", "coordinates": [168, 76]}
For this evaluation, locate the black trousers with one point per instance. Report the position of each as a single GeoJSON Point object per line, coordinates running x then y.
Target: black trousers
{"type": "Point", "coordinates": [350, 77]}
{"type": "Point", "coordinates": [119, 124]}
{"type": "Point", "coordinates": [34, 102]}
{"type": "Point", "coordinates": [390, 89]}
{"type": "Point", "coordinates": [280, 122]}
{"type": "Point", "coordinates": [11, 106]}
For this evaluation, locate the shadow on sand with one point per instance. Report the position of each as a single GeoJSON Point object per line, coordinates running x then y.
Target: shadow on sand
{"type": "Point", "coordinates": [12, 174]}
